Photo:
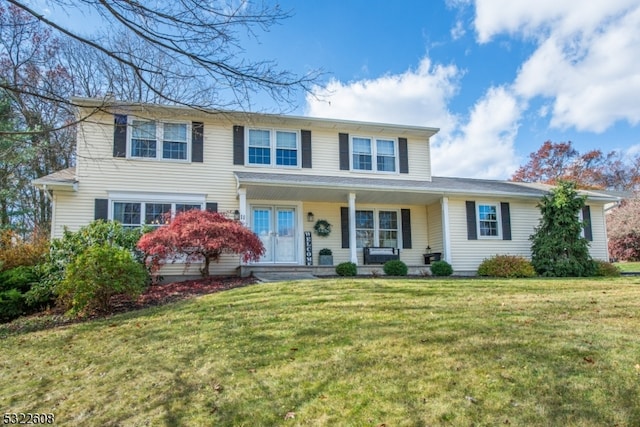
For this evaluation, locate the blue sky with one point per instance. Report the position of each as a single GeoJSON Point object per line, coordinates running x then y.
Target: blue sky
{"type": "Point", "coordinates": [498, 77]}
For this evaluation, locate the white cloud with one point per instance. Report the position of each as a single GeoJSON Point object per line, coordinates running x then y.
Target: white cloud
{"type": "Point", "coordinates": [416, 97]}
{"type": "Point", "coordinates": [458, 31]}
{"type": "Point", "coordinates": [484, 147]}
{"type": "Point", "coordinates": [586, 61]}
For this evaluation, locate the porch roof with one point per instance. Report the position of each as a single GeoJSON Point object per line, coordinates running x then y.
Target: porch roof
{"type": "Point", "coordinates": [62, 180]}
{"type": "Point", "coordinates": [325, 188]}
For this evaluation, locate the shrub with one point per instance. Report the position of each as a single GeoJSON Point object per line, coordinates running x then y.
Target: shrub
{"type": "Point", "coordinates": [66, 249]}
{"type": "Point", "coordinates": [346, 269]}
{"type": "Point", "coordinates": [558, 249]}
{"type": "Point", "coordinates": [20, 278]}
{"type": "Point", "coordinates": [395, 268]}
{"type": "Point", "coordinates": [16, 251]}
{"type": "Point", "coordinates": [441, 268]}
{"type": "Point", "coordinates": [506, 266]}
{"type": "Point", "coordinates": [605, 269]}
{"type": "Point", "coordinates": [97, 274]}
{"type": "Point", "coordinates": [11, 304]}
{"type": "Point", "coordinates": [15, 287]}
{"type": "Point", "coordinates": [325, 251]}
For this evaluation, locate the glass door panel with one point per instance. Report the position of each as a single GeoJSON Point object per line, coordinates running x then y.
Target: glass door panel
{"type": "Point", "coordinates": [285, 245]}
{"type": "Point", "coordinates": [262, 225]}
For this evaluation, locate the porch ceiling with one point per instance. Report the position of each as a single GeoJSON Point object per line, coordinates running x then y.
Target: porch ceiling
{"type": "Point", "coordinates": [331, 189]}
{"type": "Point", "coordinates": [336, 195]}
{"type": "Point", "coordinates": [382, 190]}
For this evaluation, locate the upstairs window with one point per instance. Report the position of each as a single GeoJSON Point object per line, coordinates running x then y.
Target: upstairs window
{"type": "Point", "coordinates": [159, 140]}
{"type": "Point", "coordinates": [386, 155]}
{"type": "Point", "coordinates": [362, 154]}
{"type": "Point", "coordinates": [174, 145]}
{"type": "Point", "coordinates": [143, 139]}
{"type": "Point", "coordinates": [286, 148]}
{"type": "Point", "coordinates": [273, 148]}
{"type": "Point", "coordinates": [259, 147]}
{"type": "Point", "coordinates": [365, 150]}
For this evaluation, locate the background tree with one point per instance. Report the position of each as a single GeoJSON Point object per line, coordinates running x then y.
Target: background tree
{"type": "Point", "coordinates": [623, 230]}
{"type": "Point", "coordinates": [35, 138]}
{"type": "Point", "coordinates": [162, 46]}
{"type": "Point", "coordinates": [201, 236]}
{"type": "Point", "coordinates": [558, 161]}
{"type": "Point", "coordinates": [558, 249]}
{"type": "Point", "coordinates": [186, 52]}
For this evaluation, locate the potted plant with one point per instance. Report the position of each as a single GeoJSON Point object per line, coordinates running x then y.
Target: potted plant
{"type": "Point", "coordinates": [326, 257]}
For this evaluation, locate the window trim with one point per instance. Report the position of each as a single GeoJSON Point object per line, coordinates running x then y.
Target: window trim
{"type": "Point", "coordinates": [273, 147]}
{"type": "Point", "coordinates": [376, 225]}
{"type": "Point", "coordinates": [159, 198]}
{"type": "Point", "coordinates": [374, 154]}
{"type": "Point", "coordinates": [497, 207]}
{"type": "Point", "coordinates": [159, 140]}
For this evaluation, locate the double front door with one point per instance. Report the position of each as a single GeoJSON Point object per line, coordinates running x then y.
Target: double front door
{"type": "Point", "coordinates": [276, 227]}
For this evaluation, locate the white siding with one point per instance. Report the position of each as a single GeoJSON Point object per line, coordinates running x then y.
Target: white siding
{"type": "Point", "coordinates": [525, 216]}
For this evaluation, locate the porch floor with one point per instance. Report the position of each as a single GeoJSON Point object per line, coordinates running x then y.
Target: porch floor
{"type": "Point", "coordinates": [296, 272]}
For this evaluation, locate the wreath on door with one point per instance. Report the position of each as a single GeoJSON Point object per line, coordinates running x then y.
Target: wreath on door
{"type": "Point", "coordinates": [322, 228]}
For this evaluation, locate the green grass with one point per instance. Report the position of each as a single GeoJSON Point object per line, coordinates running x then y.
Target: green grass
{"type": "Point", "coordinates": [629, 267]}
{"type": "Point", "coordinates": [345, 352]}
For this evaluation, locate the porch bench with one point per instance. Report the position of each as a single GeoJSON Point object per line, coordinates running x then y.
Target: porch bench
{"type": "Point", "coordinates": [380, 255]}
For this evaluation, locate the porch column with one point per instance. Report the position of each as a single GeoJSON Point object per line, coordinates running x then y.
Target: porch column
{"type": "Point", "coordinates": [242, 200]}
{"type": "Point", "coordinates": [446, 235]}
{"type": "Point", "coordinates": [352, 229]}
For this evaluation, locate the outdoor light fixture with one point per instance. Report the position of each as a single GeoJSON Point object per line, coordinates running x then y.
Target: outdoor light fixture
{"type": "Point", "coordinates": [310, 217]}
{"type": "Point", "coordinates": [236, 215]}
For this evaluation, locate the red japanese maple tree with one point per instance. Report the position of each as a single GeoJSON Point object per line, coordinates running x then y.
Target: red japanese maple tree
{"type": "Point", "coordinates": [202, 236]}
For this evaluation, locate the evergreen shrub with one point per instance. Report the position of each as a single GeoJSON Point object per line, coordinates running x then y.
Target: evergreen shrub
{"type": "Point", "coordinates": [346, 269]}
{"type": "Point", "coordinates": [395, 268]}
{"type": "Point", "coordinates": [441, 268]}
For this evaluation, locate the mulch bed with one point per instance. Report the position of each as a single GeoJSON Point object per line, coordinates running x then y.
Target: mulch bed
{"type": "Point", "coordinates": [155, 295]}
{"type": "Point", "coordinates": [170, 292]}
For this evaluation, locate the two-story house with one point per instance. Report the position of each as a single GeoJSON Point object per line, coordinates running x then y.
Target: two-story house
{"type": "Point", "coordinates": [279, 175]}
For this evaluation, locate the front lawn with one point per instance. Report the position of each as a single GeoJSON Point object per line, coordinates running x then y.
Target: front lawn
{"type": "Point", "coordinates": [628, 267]}
{"type": "Point", "coordinates": [360, 352]}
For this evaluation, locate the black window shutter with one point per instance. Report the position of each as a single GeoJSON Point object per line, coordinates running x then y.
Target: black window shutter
{"type": "Point", "coordinates": [505, 214]}
{"type": "Point", "coordinates": [119, 135]}
{"type": "Point", "coordinates": [238, 145]}
{"type": "Point", "coordinates": [472, 230]}
{"type": "Point", "coordinates": [406, 228]}
{"type": "Point", "coordinates": [101, 209]}
{"type": "Point", "coordinates": [212, 206]}
{"type": "Point", "coordinates": [343, 139]}
{"type": "Point", "coordinates": [197, 142]}
{"type": "Point", "coordinates": [404, 155]}
{"type": "Point", "coordinates": [586, 221]}
{"type": "Point", "coordinates": [305, 137]}
{"type": "Point", "coordinates": [344, 224]}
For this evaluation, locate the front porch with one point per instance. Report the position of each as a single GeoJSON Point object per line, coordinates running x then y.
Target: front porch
{"type": "Point", "coordinates": [395, 214]}
{"type": "Point", "coordinates": [322, 270]}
